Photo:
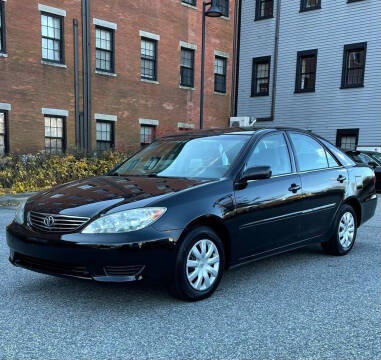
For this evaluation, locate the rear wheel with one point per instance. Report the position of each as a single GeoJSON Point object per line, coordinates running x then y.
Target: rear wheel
{"type": "Point", "coordinates": [345, 233]}
{"type": "Point", "coordinates": [199, 265]}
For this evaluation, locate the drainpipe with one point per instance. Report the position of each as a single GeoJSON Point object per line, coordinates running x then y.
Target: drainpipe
{"type": "Point", "coordinates": [76, 85]}
{"type": "Point", "coordinates": [236, 56]}
{"type": "Point", "coordinates": [275, 65]}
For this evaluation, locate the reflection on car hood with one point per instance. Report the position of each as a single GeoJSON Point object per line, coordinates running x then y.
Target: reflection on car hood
{"type": "Point", "coordinates": [92, 196]}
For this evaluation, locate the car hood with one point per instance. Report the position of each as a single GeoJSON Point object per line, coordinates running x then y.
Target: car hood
{"type": "Point", "coordinates": [92, 196]}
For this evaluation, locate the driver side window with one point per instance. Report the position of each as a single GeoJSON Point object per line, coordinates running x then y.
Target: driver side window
{"type": "Point", "coordinates": [271, 151]}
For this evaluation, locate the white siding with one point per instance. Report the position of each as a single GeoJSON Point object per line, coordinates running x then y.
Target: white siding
{"type": "Point", "coordinates": [338, 23]}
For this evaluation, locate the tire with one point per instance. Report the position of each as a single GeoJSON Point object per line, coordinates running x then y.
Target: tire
{"type": "Point", "coordinates": [339, 244]}
{"type": "Point", "coordinates": [193, 283]}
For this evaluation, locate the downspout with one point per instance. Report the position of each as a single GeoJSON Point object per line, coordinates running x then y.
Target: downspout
{"type": "Point", "coordinates": [236, 57]}
{"type": "Point", "coordinates": [76, 85]}
{"type": "Point", "coordinates": [275, 66]}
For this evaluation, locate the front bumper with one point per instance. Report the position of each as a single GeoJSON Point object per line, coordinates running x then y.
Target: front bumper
{"type": "Point", "coordinates": [101, 257]}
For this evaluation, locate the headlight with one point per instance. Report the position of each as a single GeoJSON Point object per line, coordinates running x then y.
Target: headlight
{"type": "Point", "coordinates": [125, 221]}
{"type": "Point", "coordinates": [19, 216]}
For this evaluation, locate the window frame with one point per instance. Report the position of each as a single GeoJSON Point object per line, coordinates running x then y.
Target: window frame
{"type": "Point", "coordinates": [112, 51]}
{"type": "Point", "coordinates": [189, 2]}
{"type": "Point", "coordinates": [224, 75]}
{"type": "Point", "coordinates": [258, 10]}
{"type": "Point", "coordinates": [254, 79]}
{"type": "Point", "coordinates": [303, 6]}
{"type": "Point", "coordinates": [112, 141]}
{"type": "Point", "coordinates": [344, 76]}
{"type": "Point", "coordinates": [153, 137]}
{"type": "Point", "coordinates": [6, 132]}
{"type": "Point", "coordinates": [64, 134]}
{"type": "Point", "coordinates": [155, 42]}
{"type": "Point", "coordinates": [184, 67]}
{"type": "Point", "coordinates": [3, 39]}
{"type": "Point", "coordinates": [61, 40]}
{"type": "Point", "coordinates": [227, 6]}
{"type": "Point", "coordinates": [347, 132]}
{"type": "Point", "coordinates": [299, 63]}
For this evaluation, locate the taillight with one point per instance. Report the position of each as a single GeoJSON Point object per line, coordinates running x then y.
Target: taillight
{"type": "Point", "coordinates": [374, 177]}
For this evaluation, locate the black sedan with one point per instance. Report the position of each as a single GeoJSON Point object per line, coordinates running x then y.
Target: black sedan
{"type": "Point", "coordinates": [188, 207]}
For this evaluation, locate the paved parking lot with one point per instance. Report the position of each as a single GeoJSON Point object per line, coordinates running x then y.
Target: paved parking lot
{"type": "Point", "coordinates": [300, 305]}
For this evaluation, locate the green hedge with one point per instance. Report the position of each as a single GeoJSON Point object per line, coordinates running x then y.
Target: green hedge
{"type": "Point", "coordinates": [23, 173]}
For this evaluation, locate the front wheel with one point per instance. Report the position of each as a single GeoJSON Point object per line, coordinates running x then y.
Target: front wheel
{"type": "Point", "coordinates": [344, 237]}
{"type": "Point", "coordinates": [199, 265]}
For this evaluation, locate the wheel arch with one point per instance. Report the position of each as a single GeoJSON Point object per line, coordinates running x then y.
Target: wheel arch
{"type": "Point", "coordinates": [356, 206]}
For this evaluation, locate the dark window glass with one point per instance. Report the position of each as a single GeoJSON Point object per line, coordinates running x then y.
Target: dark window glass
{"type": "Point", "coordinates": [223, 5]}
{"type": "Point", "coordinates": [105, 135]}
{"type": "Point", "coordinates": [2, 27]}
{"type": "Point", "coordinates": [189, 2]}
{"type": "Point", "coordinates": [260, 76]}
{"type": "Point", "coordinates": [264, 9]}
{"type": "Point", "coordinates": [187, 67]}
{"type": "Point", "coordinates": [310, 5]}
{"type": "Point", "coordinates": [3, 133]}
{"type": "Point", "coordinates": [220, 74]}
{"type": "Point", "coordinates": [54, 135]}
{"type": "Point", "coordinates": [354, 65]}
{"type": "Point", "coordinates": [306, 71]}
{"type": "Point", "coordinates": [147, 134]}
{"type": "Point", "coordinates": [52, 37]}
{"type": "Point", "coordinates": [104, 53]}
{"type": "Point", "coordinates": [271, 151]}
{"type": "Point", "coordinates": [310, 154]}
{"type": "Point", "coordinates": [347, 139]}
{"type": "Point", "coordinates": [148, 59]}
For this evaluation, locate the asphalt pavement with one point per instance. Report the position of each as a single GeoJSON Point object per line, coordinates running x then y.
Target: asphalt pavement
{"type": "Point", "coordinates": [299, 305]}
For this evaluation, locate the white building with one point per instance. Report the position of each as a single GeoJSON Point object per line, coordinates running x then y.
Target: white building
{"type": "Point", "coordinates": [313, 64]}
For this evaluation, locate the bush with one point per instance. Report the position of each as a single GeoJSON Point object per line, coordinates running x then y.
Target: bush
{"type": "Point", "coordinates": [22, 173]}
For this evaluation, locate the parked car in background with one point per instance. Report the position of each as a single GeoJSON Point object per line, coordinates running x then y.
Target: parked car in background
{"type": "Point", "coordinates": [187, 207]}
{"type": "Point", "coordinates": [370, 158]}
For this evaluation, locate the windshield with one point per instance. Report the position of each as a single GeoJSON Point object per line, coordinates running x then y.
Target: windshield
{"type": "Point", "coordinates": [377, 156]}
{"type": "Point", "coordinates": [205, 157]}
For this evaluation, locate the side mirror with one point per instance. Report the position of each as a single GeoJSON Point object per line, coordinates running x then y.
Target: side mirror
{"type": "Point", "coordinates": [256, 173]}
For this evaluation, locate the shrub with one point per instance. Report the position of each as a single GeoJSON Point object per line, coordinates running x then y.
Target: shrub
{"type": "Point", "coordinates": [21, 173]}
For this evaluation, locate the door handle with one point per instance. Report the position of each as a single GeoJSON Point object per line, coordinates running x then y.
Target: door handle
{"type": "Point", "coordinates": [341, 178]}
{"type": "Point", "coordinates": [294, 188]}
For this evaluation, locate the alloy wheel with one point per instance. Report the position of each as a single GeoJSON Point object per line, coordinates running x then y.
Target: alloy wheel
{"type": "Point", "coordinates": [346, 230]}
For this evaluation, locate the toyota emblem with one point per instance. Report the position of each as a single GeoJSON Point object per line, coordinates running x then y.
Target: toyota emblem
{"type": "Point", "coordinates": [49, 221]}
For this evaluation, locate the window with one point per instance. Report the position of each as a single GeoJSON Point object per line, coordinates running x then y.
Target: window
{"type": "Point", "coordinates": [271, 151]}
{"type": "Point", "coordinates": [148, 59]}
{"type": "Point", "coordinates": [264, 9]}
{"type": "Point", "coordinates": [3, 133]}
{"type": "Point", "coordinates": [2, 27]}
{"type": "Point", "coordinates": [104, 135]}
{"type": "Point", "coordinates": [306, 71]}
{"type": "Point", "coordinates": [354, 65]}
{"type": "Point", "coordinates": [220, 74]}
{"type": "Point", "coordinates": [306, 5]}
{"type": "Point", "coordinates": [260, 76]}
{"type": "Point", "coordinates": [310, 155]}
{"type": "Point", "coordinates": [189, 2]}
{"type": "Point", "coordinates": [347, 139]}
{"type": "Point", "coordinates": [187, 67]}
{"type": "Point", "coordinates": [52, 38]}
{"type": "Point", "coordinates": [223, 5]}
{"type": "Point", "coordinates": [104, 52]}
{"type": "Point", "coordinates": [331, 160]}
{"type": "Point", "coordinates": [54, 135]}
{"type": "Point", "coordinates": [147, 134]}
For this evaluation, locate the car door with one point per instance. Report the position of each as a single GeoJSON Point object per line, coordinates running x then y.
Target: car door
{"type": "Point", "coordinates": [324, 184]}
{"type": "Point", "coordinates": [267, 210]}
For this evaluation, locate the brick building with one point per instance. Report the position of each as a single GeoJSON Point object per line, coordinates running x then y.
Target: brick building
{"type": "Point", "coordinates": [136, 77]}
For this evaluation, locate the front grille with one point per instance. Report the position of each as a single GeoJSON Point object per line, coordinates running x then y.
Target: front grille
{"type": "Point", "coordinates": [52, 267]}
{"type": "Point", "coordinates": [53, 223]}
{"type": "Point", "coordinates": [124, 270]}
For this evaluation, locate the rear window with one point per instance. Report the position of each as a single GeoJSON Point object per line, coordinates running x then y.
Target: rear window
{"type": "Point", "coordinates": [342, 157]}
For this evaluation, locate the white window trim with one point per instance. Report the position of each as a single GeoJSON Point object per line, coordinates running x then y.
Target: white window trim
{"type": "Point", "coordinates": [149, 122]}
{"type": "Point", "coordinates": [55, 112]}
{"type": "Point", "coordinates": [5, 107]}
{"type": "Point", "coordinates": [182, 125]}
{"type": "Point", "coordinates": [106, 117]}
{"type": "Point", "coordinates": [221, 54]}
{"type": "Point", "coordinates": [51, 10]}
{"type": "Point", "coordinates": [105, 24]}
{"type": "Point", "coordinates": [186, 45]}
{"type": "Point", "coordinates": [149, 35]}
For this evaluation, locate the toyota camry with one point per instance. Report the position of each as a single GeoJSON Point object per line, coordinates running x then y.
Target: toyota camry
{"type": "Point", "coordinates": [188, 207]}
